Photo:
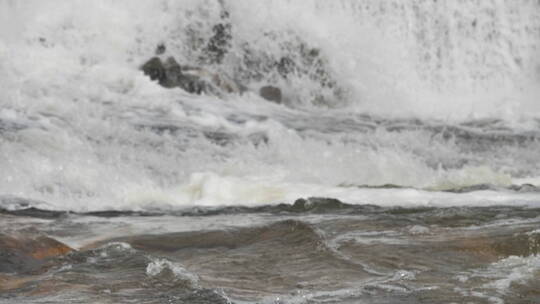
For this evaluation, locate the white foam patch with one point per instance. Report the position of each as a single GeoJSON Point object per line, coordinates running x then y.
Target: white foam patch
{"type": "Point", "coordinates": [514, 270]}
{"type": "Point", "coordinates": [212, 190]}
{"type": "Point", "coordinates": [158, 266]}
{"type": "Point", "coordinates": [506, 272]}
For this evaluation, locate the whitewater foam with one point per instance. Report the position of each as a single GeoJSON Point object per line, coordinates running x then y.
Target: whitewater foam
{"type": "Point", "coordinates": [159, 266]}
{"type": "Point", "coordinates": [82, 129]}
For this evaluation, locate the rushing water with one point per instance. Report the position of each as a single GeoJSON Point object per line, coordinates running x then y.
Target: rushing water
{"type": "Point", "coordinates": [420, 117]}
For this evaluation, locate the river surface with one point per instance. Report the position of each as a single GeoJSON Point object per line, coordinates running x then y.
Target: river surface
{"type": "Point", "coordinates": [402, 164]}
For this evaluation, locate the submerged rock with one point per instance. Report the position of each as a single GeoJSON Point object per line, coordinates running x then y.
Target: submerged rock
{"type": "Point", "coordinates": [24, 254]}
{"type": "Point", "coordinates": [271, 93]}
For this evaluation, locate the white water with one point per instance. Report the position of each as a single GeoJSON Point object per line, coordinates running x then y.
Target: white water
{"type": "Point", "coordinates": [76, 113]}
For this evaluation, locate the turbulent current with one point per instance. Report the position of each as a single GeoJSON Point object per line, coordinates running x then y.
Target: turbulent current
{"type": "Point", "coordinates": [400, 163]}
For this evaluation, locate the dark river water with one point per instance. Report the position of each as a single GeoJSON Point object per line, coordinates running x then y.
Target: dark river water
{"type": "Point", "coordinates": [313, 251]}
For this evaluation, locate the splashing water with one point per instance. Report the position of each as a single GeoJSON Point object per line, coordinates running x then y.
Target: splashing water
{"type": "Point", "coordinates": [426, 95]}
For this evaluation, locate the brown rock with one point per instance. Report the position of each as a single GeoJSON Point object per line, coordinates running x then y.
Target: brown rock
{"type": "Point", "coordinates": [23, 254]}
{"type": "Point", "coordinates": [8, 282]}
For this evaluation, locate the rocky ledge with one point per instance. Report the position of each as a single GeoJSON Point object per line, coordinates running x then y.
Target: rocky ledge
{"type": "Point", "coordinates": [197, 80]}
{"type": "Point", "coordinates": [28, 254]}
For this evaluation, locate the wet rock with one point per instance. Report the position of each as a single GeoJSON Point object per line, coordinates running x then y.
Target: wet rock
{"type": "Point", "coordinates": [25, 254]}
{"type": "Point", "coordinates": [169, 75]}
{"type": "Point", "coordinates": [300, 62]}
{"type": "Point", "coordinates": [472, 188]}
{"type": "Point", "coordinates": [173, 74]}
{"type": "Point", "coordinates": [286, 66]}
{"type": "Point", "coordinates": [318, 204]}
{"type": "Point", "coordinates": [9, 282]}
{"type": "Point", "coordinates": [219, 44]}
{"type": "Point", "coordinates": [219, 138]}
{"type": "Point", "coordinates": [258, 138]}
{"type": "Point", "coordinates": [154, 69]}
{"type": "Point", "coordinates": [196, 80]}
{"type": "Point", "coordinates": [160, 49]}
{"type": "Point", "coordinates": [524, 188]}
{"type": "Point", "coordinates": [271, 93]}
{"type": "Point", "coordinates": [227, 84]}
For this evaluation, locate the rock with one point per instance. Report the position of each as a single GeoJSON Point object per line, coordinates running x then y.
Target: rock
{"type": "Point", "coordinates": [219, 44]}
{"type": "Point", "coordinates": [160, 49]}
{"type": "Point", "coordinates": [169, 75]}
{"type": "Point", "coordinates": [286, 66]}
{"type": "Point", "coordinates": [195, 80]}
{"type": "Point", "coordinates": [318, 204]}
{"type": "Point", "coordinates": [271, 93]}
{"type": "Point", "coordinates": [173, 74]}
{"type": "Point", "coordinates": [24, 254]}
{"type": "Point", "coordinates": [9, 282]}
{"type": "Point", "coordinates": [154, 69]}
{"type": "Point", "coordinates": [227, 84]}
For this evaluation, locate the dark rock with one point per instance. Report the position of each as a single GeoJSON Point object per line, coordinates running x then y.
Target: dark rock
{"type": "Point", "coordinates": [299, 61]}
{"type": "Point", "coordinates": [173, 74]}
{"type": "Point", "coordinates": [219, 138]}
{"type": "Point", "coordinates": [114, 213]}
{"type": "Point", "coordinates": [227, 84]}
{"type": "Point", "coordinates": [286, 66]}
{"type": "Point", "coordinates": [198, 80]}
{"type": "Point", "coordinates": [160, 49]}
{"type": "Point", "coordinates": [219, 44]}
{"type": "Point", "coordinates": [192, 81]}
{"type": "Point", "coordinates": [258, 138]}
{"type": "Point", "coordinates": [524, 188]}
{"type": "Point", "coordinates": [318, 204]}
{"type": "Point", "coordinates": [169, 74]}
{"type": "Point", "coordinates": [195, 80]}
{"type": "Point", "coordinates": [472, 188]}
{"type": "Point", "coordinates": [154, 69]}
{"type": "Point", "coordinates": [271, 93]}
